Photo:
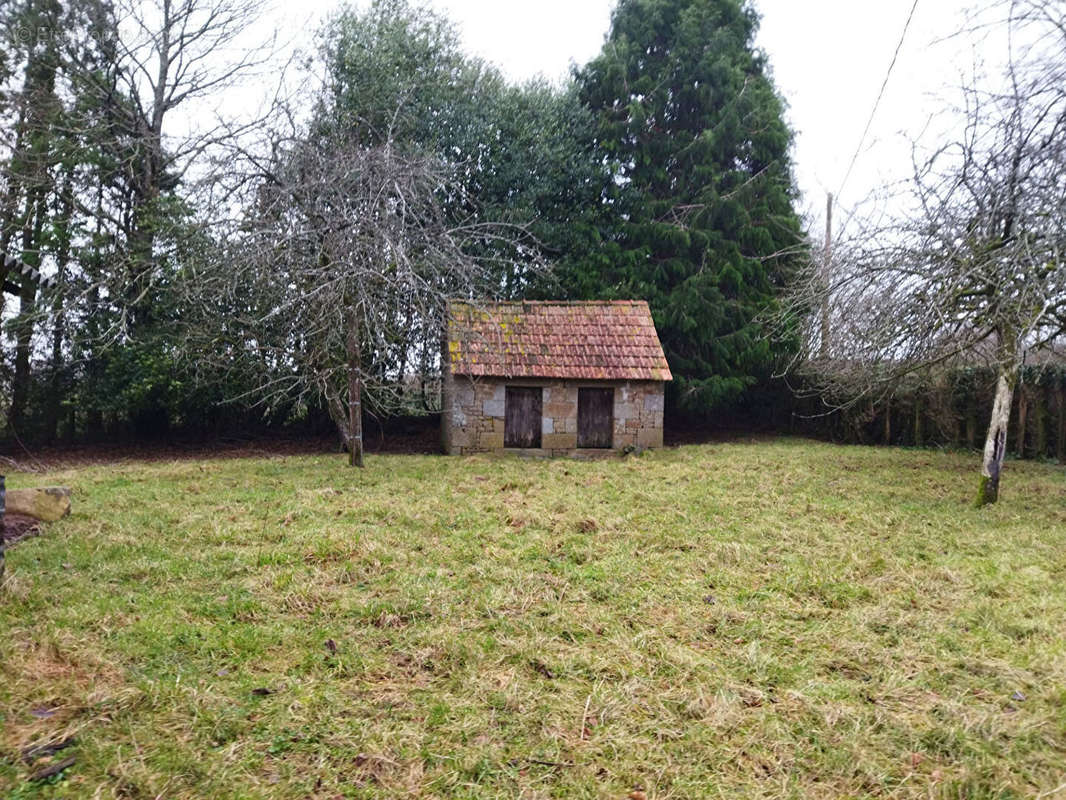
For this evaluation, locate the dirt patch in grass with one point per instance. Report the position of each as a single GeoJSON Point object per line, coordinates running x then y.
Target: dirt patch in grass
{"type": "Point", "coordinates": [17, 527]}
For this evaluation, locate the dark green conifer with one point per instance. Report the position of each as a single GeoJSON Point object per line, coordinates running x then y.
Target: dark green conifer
{"type": "Point", "coordinates": [693, 128]}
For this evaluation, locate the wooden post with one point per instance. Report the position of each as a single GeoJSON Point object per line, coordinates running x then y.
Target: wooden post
{"type": "Point", "coordinates": [1023, 413]}
{"type": "Point", "coordinates": [826, 278]}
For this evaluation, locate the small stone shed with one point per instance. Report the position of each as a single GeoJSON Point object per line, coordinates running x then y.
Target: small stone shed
{"type": "Point", "coordinates": [552, 378]}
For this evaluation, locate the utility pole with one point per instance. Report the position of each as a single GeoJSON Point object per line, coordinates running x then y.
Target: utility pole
{"type": "Point", "coordinates": [823, 351]}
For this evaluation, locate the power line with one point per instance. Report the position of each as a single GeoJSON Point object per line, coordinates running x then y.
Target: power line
{"type": "Point", "coordinates": [880, 95]}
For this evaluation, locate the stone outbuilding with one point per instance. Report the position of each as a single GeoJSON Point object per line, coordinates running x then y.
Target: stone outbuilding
{"type": "Point", "coordinates": [552, 378]}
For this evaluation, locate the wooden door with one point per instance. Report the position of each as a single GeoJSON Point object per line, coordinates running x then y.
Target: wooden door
{"type": "Point", "coordinates": [522, 417]}
{"type": "Point", "coordinates": [595, 417]}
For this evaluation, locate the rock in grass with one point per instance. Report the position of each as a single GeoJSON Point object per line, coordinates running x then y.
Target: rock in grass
{"type": "Point", "coordinates": [47, 504]}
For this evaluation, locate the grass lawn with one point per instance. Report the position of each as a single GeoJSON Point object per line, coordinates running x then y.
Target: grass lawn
{"type": "Point", "coordinates": [775, 619]}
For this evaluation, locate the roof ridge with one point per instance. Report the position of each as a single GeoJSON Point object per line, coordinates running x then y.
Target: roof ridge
{"type": "Point", "coordinates": [465, 301]}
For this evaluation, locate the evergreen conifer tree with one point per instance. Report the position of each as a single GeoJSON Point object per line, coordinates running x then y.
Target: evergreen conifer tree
{"type": "Point", "coordinates": [693, 128]}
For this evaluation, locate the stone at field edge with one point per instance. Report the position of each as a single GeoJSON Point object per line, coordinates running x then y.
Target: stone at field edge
{"type": "Point", "coordinates": [47, 504]}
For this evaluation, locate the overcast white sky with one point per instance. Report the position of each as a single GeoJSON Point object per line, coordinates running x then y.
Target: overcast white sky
{"type": "Point", "coordinates": [828, 58]}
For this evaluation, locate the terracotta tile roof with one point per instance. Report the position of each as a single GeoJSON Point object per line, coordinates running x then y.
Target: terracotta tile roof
{"type": "Point", "coordinates": [586, 340]}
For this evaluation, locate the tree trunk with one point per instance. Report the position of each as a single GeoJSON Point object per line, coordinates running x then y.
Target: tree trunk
{"type": "Point", "coordinates": [20, 383]}
{"type": "Point", "coordinates": [94, 424]}
{"type": "Point", "coordinates": [1061, 444]}
{"type": "Point", "coordinates": [355, 397]}
{"type": "Point", "coordinates": [919, 437]}
{"type": "Point", "coordinates": [24, 323]}
{"type": "Point", "coordinates": [34, 157]}
{"type": "Point", "coordinates": [1023, 418]}
{"type": "Point", "coordinates": [8, 225]}
{"type": "Point", "coordinates": [971, 418]}
{"type": "Point", "coordinates": [996, 441]}
{"type": "Point", "coordinates": [956, 415]}
{"type": "Point", "coordinates": [888, 421]}
{"type": "Point", "coordinates": [55, 388]}
{"type": "Point", "coordinates": [1040, 423]}
{"type": "Point", "coordinates": [55, 391]}
{"type": "Point", "coordinates": [2, 501]}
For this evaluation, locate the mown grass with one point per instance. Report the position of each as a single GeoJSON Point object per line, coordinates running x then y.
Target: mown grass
{"type": "Point", "coordinates": [777, 619]}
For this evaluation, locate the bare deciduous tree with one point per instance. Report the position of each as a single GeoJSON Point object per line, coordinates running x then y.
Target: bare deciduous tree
{"type": "Point", "coordinates": [160, 56]}
{"type": "Point", "coordinates": [339, 274]}
{"type": "Point", "coordinates": [976, 271]}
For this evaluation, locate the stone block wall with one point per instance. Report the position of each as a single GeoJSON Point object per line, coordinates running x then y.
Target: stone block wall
{"type": "Point", "coordinates": [473, 415]}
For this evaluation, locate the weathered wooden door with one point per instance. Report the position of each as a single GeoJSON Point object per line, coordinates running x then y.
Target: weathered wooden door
{"type": "Point", "coordinates": [595, 417]}
{"type": "Point", "coordinates": [522, 417]}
